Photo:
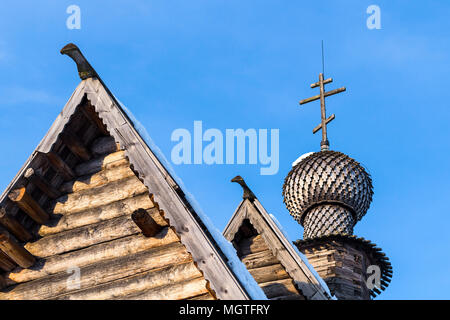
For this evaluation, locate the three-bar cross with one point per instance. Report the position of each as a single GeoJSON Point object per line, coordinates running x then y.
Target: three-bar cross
{"type": "Point", "coordinates": [325, 144]}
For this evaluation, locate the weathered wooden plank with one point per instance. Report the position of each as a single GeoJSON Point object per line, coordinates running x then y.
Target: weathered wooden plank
{"type": "Point", "coordinates": [90, 216]}
{"type": "Point", "coordinates": [29, 205]}
{"type": "Point", "coordinates": [145, 222]}
{"type": "Point", "coordinates": [104, 145]}
{"type": "Point", "coordinates": [269, 273]}
{"type": "Point", "coordinates": [14, 251]}
{"type": "Point", "coordinates": [98, 179]}
{"type": "Point", "coordinates": [82, 237]}
{"type": "Point", "coordinates": [177, 291]}
{"type": "Point", "coordinates": [106, 194]}
{"type": "Point", "coordinates": [142, 282]}
{"type": "Point", "coordinates": [95, 274]}
{"type": "Point", "coordinates": [94, 254]}
{"type": "Point", "coordinates": [101, 163]}
{"type": "Point", "coordinates": [5, 262]}
{"type": "Point", "coordinates": [14, 226]}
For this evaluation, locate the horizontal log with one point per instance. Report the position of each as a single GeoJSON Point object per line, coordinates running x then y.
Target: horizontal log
{"type": "Point", "coordinates": [93, 254]}
{"type": "Point", "coordinates": [279, 288]}
{"type": "Point", "coordinates": [104, 195]}
{"type": "Point", "coordinates": [25, 202]}
{"type": "Point", "coordinates": [102, 163]}
{"type": "Point", "coordinates": [99, 273]}
{"type": "Point", "coordinates": [83, 237]}
{"type": "Point", "coordinates": [269, 273]}
{"type": "Point", "coordinates": [33, 177]}
{"type": "Point", "coordinates": [60, 166]}
{"type": "Point", "coordinates": [14, 226]}
{"type": "Point", "coordinates": [98, 179]}
{"type": "Point", "coordinates": [5, 262]}
{"type": "Point", "coordinates": [15, 252]}
{"type": "Point", "coordinates": [98, 214]}
{"type": "Point", "coordinates": [252, 245]}
{"type": "Point", "coordinates": [104, 145]}
{"type": "Point", "coordinates": [145, 222]}
{"type": "Point", "coordinates": [259, 259]}
{"type": "Point", "coordinates": [177, 291]}
{"type": "Point", "coordinates": [75, 145]}
{"type": "Point", "coordinates": [143, 282]}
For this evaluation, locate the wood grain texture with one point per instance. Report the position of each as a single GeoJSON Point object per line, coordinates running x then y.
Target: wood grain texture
{"type": "Point", "coordinates": [94, 254]}
{"type": "Point", "coordinates": [25, 202]}
{"type": "Point", "coordinates": [15, 252]}
{"type": "Point", "coordinates": [176, 291]}
{"type": "Point", "coordinates": [136, 284]}
{"type": "Point", "coordinates": [14, 226]}
{"type": "Point", "coordinates": [72, 220]}
{"type": "Point", "coordinates": [104, 195]}
{"type": "Point", "coordinates": [83, 237]}
{"type": "Point", "coordinates": [99, 273]}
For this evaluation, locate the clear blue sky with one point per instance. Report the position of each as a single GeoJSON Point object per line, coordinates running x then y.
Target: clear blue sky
{"type": "Point", "coordinates": [246, 64]}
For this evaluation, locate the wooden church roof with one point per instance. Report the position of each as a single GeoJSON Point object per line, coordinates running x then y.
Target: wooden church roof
{"type": "Point", "coordinates": [93, 199]}
{"type": "Point", "coordinates": [280, 270]}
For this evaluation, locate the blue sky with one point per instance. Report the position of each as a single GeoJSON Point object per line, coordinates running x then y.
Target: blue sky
{"type": "Point", "coordinates": [246, 64]}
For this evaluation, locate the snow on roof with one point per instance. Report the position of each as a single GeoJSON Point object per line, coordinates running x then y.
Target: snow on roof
{"type": "Point", "coordinates": [238, 268]}
{"type": "Point", "coordinates": [303, 156]}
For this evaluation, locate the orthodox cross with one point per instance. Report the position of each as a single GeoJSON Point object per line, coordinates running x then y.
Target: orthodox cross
{"type": "Point", "coordinates": [325, 144]}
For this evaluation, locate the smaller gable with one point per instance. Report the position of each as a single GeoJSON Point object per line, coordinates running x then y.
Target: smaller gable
{"type": "Point", "coordinates": [268, 255]}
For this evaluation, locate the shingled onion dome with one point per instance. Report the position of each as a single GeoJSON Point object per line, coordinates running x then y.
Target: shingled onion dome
{"type": "Point", "coordinates": [327, 192]}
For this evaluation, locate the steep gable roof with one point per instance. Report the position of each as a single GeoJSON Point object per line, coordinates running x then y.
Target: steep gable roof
{"type": "Point", "coordinates": [296, 265]}
{"type": "Point", "coordinates": [213, 256]}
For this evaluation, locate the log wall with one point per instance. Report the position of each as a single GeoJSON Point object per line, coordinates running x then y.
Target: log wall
{"type": "Point", "coordinates": [90, 248]}
{"type": "Point", "coordinates": [265, 268]}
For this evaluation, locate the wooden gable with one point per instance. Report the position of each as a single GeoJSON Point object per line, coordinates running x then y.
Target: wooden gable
{"type": "Point", "coordinates": [268, 255]}
{"type": "Point", "coordinates": [94, 200]}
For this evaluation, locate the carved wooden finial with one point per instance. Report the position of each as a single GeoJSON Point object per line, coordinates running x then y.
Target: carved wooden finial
{"type": "Point", "coordinates": [85, 70]}
{"type": "Point", "coordinates": [248, 194]}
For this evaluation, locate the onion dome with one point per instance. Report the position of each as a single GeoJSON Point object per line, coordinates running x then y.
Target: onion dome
{"type": "Point", "coordinates": [327, 192]}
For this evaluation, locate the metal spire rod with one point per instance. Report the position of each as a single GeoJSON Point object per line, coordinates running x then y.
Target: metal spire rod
{"type": "Point", "coordinates": [324, 144]}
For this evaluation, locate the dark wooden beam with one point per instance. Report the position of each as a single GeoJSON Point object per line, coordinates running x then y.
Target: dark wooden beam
{"type": "Point", "coordinates": [145, 222]}
{"type": "Point", "coordinates": [60, 166]}
{"type": "Point", "coordinates": [14, 251]}
{"type": "Point", "coordinates": [5, 262]}
{"type": "Point", "coordinates": [92, 116]}
{"type": "Point", "coordinates": [29, 205]}
{"type": "Point", "coordinates": [34, 178]}
{"type": "Point", "coordinates": [14, 226]}
{"type": "Point", "coordinates": [75, 145]}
